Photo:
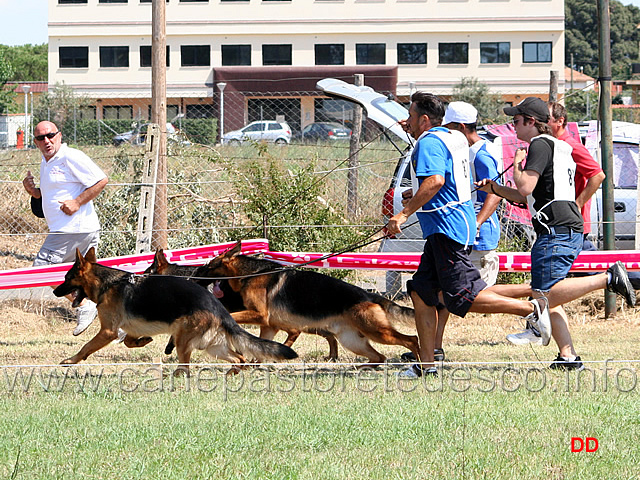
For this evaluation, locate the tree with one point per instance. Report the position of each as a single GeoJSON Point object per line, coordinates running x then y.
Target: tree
{"type": "Point", "coordinates": [29, 62]}
{"type": "Point", "coordinates": [59, 104]}
{"type": "Point", "coordinates": [6, 94]}
{"type": "Point", "coordinates": [581, 36]}
{"type": "Point", "coordinates": [581, 105]}
{"type": "Point", "coordinates": [477, 93]}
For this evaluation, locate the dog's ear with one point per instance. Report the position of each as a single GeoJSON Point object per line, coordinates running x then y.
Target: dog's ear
{"type": "Point", "coordinates": [161, 261]}
{"type": "Point", "coordinates": [79, 257]}
{"type": "Point", "coordinates": [91, 256]}
{"type": "Point", "coordinates": [236, 250]}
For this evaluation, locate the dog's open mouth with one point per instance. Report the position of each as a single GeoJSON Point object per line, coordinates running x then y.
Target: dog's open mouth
{"type": "Point", "coordinates": [78, 295]}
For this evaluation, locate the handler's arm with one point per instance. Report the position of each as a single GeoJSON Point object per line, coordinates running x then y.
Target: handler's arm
{"type": "Point", "coordinates": [590, 188]}
{"type": "Point", "coordinates": [488, 207]}
{"type": "Point", "coordinates": [72, 206]}
{"type": "Point", "coordinates": [428, 188]}
{"type": "Point", "coordinates": [511, 194]}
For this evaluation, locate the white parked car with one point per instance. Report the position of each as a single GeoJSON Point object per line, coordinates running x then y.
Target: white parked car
{"type": "Point", "coordinates": [260, 131]}
{"type": "Point", "coordinates": [626, 154]}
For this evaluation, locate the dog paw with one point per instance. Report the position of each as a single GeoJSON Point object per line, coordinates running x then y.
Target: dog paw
{"type": "Point", "coordinates": [68, 361]}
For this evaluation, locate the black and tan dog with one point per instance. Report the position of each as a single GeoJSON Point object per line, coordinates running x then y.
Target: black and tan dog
{"type": "Point", "coordinates": [144, 306]}
{"type": "Point", "coordinates": [278, 298]}
{"type": "Point", "coordinates": [230, 299]}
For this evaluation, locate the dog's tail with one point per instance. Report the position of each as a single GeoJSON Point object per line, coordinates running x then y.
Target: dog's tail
{"type": "Point", "coordinates": [397, 313]}
{"type": "Point", "coordinates": [254, 347]}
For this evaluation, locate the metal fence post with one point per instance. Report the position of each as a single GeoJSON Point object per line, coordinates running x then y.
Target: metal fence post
{"type": "Point", "coordinates": [144, 232]}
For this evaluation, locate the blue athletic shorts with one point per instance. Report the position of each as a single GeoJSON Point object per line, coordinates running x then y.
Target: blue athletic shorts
{"type": "Point", "coordinates": [552, 256]}
{"type": "Point", "coordinates": [445, 266]}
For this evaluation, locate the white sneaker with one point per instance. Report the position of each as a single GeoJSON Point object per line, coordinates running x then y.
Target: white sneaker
{"type": "Point", "coordinates": [525, 337]}
{"type": "Point", "coordinates": [85, 315]}
{"type": "Point", "coordinates": [414, 371]}
{"type": "Point", "coordinates": [540, 319]}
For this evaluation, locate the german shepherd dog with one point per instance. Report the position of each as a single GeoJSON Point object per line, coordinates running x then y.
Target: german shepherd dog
{"type": "Point", "coordinates": [280, 298]}
{"type": "Point", "coordinates": [230, 299]}
{"type": "Point", "coordinates": [145, 306]}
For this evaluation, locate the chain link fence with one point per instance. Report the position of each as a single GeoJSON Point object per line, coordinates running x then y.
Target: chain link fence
{"type": "Point", "coordinates": [294, 192]}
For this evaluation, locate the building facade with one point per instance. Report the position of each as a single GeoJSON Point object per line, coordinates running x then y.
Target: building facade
{"type": "Point", "coordinates": [102, 48]}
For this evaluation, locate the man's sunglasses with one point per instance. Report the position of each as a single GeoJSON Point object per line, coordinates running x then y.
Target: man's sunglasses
{"type": "Point", "coordinates": [50, 136]}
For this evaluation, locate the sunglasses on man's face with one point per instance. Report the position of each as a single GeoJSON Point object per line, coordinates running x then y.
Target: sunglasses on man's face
{"type": "Point", "coordinates": [50, 136]}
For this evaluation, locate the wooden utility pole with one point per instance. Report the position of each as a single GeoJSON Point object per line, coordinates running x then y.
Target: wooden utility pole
{"type": "Point", "coordinates": [553, 86]}
{"type": "Point", "coordinates": [354, 151]}
{"type": "Point", "coordinates": [159, 116]}
{"type": "Point", "coordinates": [606, 139]}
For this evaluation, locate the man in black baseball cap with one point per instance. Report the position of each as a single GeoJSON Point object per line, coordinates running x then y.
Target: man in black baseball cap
{"type": "Point", "coordinates": [531, 107]}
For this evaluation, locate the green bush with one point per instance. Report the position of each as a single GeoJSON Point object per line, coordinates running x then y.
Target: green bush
{"type": "Point", "coordinates": [92, 132]}
{"type": "Point", "coordinates": [200, 130]}
{"type": "Point", "coordinates": [95, 132]}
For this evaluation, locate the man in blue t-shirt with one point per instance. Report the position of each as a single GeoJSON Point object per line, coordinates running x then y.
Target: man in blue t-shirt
{"type": "Point", "coordinates": [484, 162]}
{"type": "Point", "coordinates": [442, 200]}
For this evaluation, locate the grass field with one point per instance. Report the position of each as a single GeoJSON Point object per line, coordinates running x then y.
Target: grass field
{"type": "Point", "coordinates": [507, 417]}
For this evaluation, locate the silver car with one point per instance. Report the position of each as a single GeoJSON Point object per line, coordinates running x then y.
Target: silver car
{"type": "Point", "coordinates": [260, 131]}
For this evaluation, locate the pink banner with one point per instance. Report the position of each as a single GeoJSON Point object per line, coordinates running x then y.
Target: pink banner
{"type": "Point", "coordinates": [509, 262]}
{"type": "Point", "coordinates": [54, 274]}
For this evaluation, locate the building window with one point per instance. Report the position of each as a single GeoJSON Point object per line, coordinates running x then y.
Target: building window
{"type": "Point", "coordinates": [145, 55]}
{"type": "Point", "coordinates": [536, 52]}
{"type": "Point", "coordinates": [195, 55]}
{"type": "Point", "coordinates": [412, 54]}
{"type": "Point", "coordinates": [172, 112]}
{"type": "Point", "coordinates": [330, 54]}
{"type": "Point", "coordinates": [112, 1]}
{"type": "Point", "coordinates": [276, 55]}
{"type": "Point", "coordinates": [193, 1]}
{"type": "Point", "coordinates": [73, 57]}
{"type": "Point", "coordinates": [62, 2]}
{"type": "Point", "coordinates": [370, 53]}
{"type": "Point", "coordinates": [117, 112]}
{"type": "Point", "coordinates": [86, 113]}
{"type": "Point", "coordinates": [495, 52]}
{"type": "Point", "coordinates": [114, 57]}
{"type": "Point", "coordinates": [234, 55]}
{"type": "Point", "coordinates": [451, 53]}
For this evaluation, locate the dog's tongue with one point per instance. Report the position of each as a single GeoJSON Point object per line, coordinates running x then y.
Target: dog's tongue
{"type": "Point", "coordinates": [216, 291]}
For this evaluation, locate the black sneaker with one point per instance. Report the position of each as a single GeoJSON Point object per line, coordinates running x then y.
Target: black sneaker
{"type": "Point", "coordinates": [409, 357]}
{"type": "Point", "coordinates": [620, 283]}
{"type": "Point", "coordinates": [561, 363]}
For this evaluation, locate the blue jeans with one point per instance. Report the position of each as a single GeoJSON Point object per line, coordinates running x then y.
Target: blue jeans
{"type": "Point", "coordinates": [552, 256]}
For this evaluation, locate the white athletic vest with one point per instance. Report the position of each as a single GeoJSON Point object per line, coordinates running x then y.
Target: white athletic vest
{"type": "Point", "coordinates": [458, 146]}
{"type": "Point", "coordinates": [495, 152]}
{"type": "Point", "coordinates": [564, 172]}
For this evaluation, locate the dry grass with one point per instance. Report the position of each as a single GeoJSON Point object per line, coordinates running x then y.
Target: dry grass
{"type": "Point", "coordinates": [39, 332]}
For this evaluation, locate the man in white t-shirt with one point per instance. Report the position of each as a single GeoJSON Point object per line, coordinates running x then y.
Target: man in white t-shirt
{"type": "Point", "coordinates": [69, 181]}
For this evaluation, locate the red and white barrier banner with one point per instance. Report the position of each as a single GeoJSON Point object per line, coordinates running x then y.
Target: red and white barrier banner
{"type": "Point", "coordinates": [54, 274]}
{"type": "Point", "coordinates": [509, 262]}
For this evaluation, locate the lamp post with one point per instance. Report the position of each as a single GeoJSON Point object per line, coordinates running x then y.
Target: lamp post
{"type": "Point", "coordinates": [221, 86]}
{"type": "Point", "coordinates": [26, 89]}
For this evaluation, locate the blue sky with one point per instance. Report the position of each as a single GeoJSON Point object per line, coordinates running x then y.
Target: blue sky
{"type": "Point", "coordinates": [25, 21]}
